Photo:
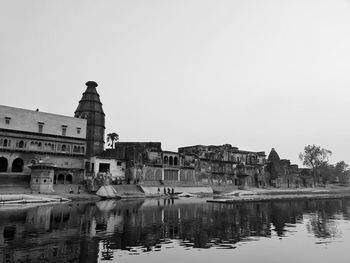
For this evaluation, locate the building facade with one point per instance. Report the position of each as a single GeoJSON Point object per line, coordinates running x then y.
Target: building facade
{"type": "Point", "coordinates": [218, 165]}
{"type": "Point", "coordinates": [147, 164]}
{"type": "Point", "coordinates": [29, 137]}
{"type": "Point", "coordinates": [281, 172]}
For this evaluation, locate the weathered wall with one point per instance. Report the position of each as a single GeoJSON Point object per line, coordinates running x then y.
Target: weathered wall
{"type": "Point", "coordinates": [117, 171]}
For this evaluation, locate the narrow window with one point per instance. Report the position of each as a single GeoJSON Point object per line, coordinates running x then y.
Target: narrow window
{"type": "Point", "coordinates": [78, 130]}
{"type": "Point", "coordinates": [40, 126]}
{"type": "Point", "coordinates": [119, 163]}
{"type": "Point", "coordinates": [64, 130]}
{"type": "Point", "coordinates": [7, 120]}
{"type": "Point", "coordinates": [21, 144]}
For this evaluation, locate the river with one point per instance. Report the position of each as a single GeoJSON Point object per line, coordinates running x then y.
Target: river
{"type": "Point", "coordinates": [180, 230]}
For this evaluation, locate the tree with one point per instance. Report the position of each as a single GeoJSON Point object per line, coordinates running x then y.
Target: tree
{"type": "Point", "coordinates": [315, 157]}
{"type": "Point", "coordinates": [341, 167]}
{"type": "Point", "coordinates": [112, 138]}
{"type": "Point", "coordinates": [342, 173]}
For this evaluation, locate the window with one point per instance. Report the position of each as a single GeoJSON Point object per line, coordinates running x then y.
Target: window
{"type": "Point", "coordinates": [64, 130]}
{"type": "Point", "coordinates": [40, 126]}
{"type": "Point", "coordinates": [7, 120]}
{"type": "Point", "coordinates": [20, 144]}
{"type": "Point", "coordinates": [119, 163]}
{"type": "Point", "coordinates": [78, 130]}
{"type": "Point", "coordinates": [103, 167]}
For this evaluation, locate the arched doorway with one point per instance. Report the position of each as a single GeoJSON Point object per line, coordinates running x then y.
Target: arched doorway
{"type": "Point", "coordinates": [175, 160]}
{"type": "Point", "coordinates": [165, 159]}
{"type": "Point", "coordinates": [69, 179]}
{"type": "Point", "coordinates": [3, 164]}
{"type": "Point", "coordinates": [17, 165]}
{"type": "Point", "coordinates": [60, 179]}
{"type": "Point", "coordinates": [170, 160]}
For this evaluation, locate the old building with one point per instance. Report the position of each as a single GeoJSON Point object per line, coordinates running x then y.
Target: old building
{"type": "Point", "coordinates": [32, 137]}
{"type": "Point", "coordinates": [281, 172]}
{"type": "Point", "coordinates": [217, 164]}
{"type": "Point", "coordinates": [29, 137]}
{"type": "Point", "coordinates": [90, 108]}
{"type": "Point", "coordinates": [148, 164]}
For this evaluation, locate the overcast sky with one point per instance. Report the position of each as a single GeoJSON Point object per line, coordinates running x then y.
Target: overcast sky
{"type": "Point", "coordinates": [255, 74]}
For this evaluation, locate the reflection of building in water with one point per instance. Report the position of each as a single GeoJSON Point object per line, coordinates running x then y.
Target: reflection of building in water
{"type": "Point", "coordinates": [43, 234]}
{"type": "Point", "coordinates": [75, 232]}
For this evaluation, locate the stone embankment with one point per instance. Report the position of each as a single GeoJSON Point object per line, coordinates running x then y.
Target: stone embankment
{"type": "Point", "coordinates": [138, 191]}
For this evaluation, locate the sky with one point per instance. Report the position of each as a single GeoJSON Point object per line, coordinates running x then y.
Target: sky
{"type": "Point", "coordinates": [250, 73]}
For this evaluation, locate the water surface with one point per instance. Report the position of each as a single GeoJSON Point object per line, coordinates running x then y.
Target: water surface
{"type": "Point", "coordinates": [180, 230]}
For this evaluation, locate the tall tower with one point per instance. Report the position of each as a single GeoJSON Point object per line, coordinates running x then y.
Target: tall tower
{"type": "Point", "coordinates": [90, 108]}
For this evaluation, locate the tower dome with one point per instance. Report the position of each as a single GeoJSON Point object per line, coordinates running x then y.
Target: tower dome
{"type": "Point", "coordinates": [90, 108]}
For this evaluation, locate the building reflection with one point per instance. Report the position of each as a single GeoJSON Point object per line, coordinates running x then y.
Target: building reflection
{"type": "Point", "coordinates": [84, 232]}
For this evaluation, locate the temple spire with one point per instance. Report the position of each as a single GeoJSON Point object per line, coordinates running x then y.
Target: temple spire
{"type": "Point", "coordinates": [90, 108]}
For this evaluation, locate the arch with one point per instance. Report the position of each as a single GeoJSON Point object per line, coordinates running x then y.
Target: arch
{"type": "Point", "coordinates": [60, 179]}
{"type": "Point", "coordinates": [5, 143]}
{"type": "Point", "coordinates": [63, 149]}
{"type": "Point", "coordinates": [69, 179]}
{"type": "Point", "coordinates": [82, 149]}
{"type": "Point", "coordinates": [171, 160]}
{"type": "Point", "coordinates": [3, 164]}
{"type": "Point", "coordinates": [165, 159]}
{"type": "Point", "coordinates": [17, 165]}
{"type": "Point", "coordinates": [175, 161]}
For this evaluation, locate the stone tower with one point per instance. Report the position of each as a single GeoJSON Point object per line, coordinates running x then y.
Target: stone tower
{"type": "Point", "coordinates": [274, 164]}
{"type": "Point", "coordinates": [273, 156]}
{"type": "Point", "coordinates": [90, 108]}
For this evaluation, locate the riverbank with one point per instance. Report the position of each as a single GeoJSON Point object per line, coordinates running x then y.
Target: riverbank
{"type": "Point", "coordinates": [221, 194]}
{"type": "Point", "coordinates": [269, 194]}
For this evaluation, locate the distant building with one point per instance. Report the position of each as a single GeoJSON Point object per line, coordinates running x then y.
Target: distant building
{"type": "Point", "coordinates": [217, 164]}
{"type": "Point", "coordinates": [148, 164]}
{"type": "Point", "coordinates": [281, 172]}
